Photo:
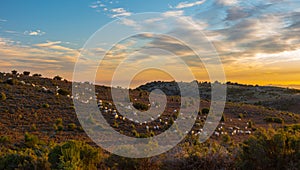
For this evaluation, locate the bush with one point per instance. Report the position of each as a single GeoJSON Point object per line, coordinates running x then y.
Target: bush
{"type": "Point", "coordinates": [74, 155]}
{"type": "Point", "coordinates": [57, 78]}
{"type": "Point", "coordinates": [205, 111]}
{"type": "Point", "coordinates": [63, 92]}
{"type": "Point", "coordinates": [16, 161]}
{"type": "Point", "coordinates": [46, 105]}
{"type": "Point", "coordinates": [12, 81]}
{"type": "Point", "coordinates": [24, 160]}
{"type": "Point", "coordinates": [270, 150]}
{"type": "Point", "coordinates": [26, 73]}
{"type": "Point", "coordinates": [241, 115]}
{"type": "Point", "coordinates": [5, 139]}
{"type": "Point", "coordinates": [31, 140]}
{"type": "Point", "coordinates": [14, 72]}
{"type": "Point", "coordinates": [33, 127]}
{"type": "Point", "coordinates": [71, 126]}
{"type": "Point", "coordinates": [223, 118]}
{"type": "Point", "coordinates": [274, 120]}
{"type": "Point", "coordinates": [37, 75]}
{"type": "Point", "coordinates": [140, 106]}
{"type": "Point", "coordinates": [2, 96]}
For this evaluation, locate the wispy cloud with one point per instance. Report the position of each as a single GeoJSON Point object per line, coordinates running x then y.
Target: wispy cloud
{"type": "Point", "coordinates": [188, 4]}
{"type": "Point", "coordinates": [34, 33]}
{"type": "Point", "coordinates": [173, 13]}
{"type": "Point", "coordinates": [55, 45]}
{"type": "Point", "coordinates": [3, 20]}
{"type": "Point", "coordinates": [45, 59]}
{"type": "Point", "coordinates": [119, 12]}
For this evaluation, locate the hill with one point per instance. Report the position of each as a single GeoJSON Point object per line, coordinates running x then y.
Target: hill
{"type": "Point", "coordinates": [44, 107]}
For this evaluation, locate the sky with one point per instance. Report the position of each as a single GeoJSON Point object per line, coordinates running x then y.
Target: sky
{"type": "Point", "coordinates": [258, 41]}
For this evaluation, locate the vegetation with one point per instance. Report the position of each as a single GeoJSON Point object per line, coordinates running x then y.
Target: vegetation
{"type": "Point", "coordinates": [274, 120]}
{"type": "Point", "coordinates": [2, 96]}
{"type": "Point", "coordinates": [140, 106]}
{"type": "Point", "coordinates": [271, 150]}
{"type": "Point", "coordinates": [205, 111]}
{"type": "Point", "coordinates": [63, 92]}
{"type": "Point", "coordinates": [265, 149]}
{"type": "Point", "coordinates": [26, 73]}
{"type": "Point", "coordinates": [57, 78]}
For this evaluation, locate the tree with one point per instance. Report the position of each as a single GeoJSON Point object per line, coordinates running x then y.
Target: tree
{"type": "Point", "coordinates": [26, 73]}
{"type": "Point", "coordinates": [14, 72]}
{"type": "Point", "coordinates": [57, 78]}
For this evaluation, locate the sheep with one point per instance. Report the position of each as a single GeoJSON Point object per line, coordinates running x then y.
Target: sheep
{"type": "Point", "coordinates": [22, 82]}
{"type": "Point", "coordinates": [217, 133]}
{"type": "Point", "coordinates": [44, 89]}
{"type": "Point", "coordinates": [248, 132]}
{"type": "Point", "coordinates": [147, 127]}
{"type": "Point", "coordinates": [166, 123]}
{"type": "Point", "coordinates": [116, 116]}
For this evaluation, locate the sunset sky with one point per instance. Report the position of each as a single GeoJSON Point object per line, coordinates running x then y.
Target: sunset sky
{"type": "Point", "coordinates": [258, 41]}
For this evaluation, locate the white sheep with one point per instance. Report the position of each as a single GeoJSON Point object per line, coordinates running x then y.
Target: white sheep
{"type": "Point", "coordinates": [217, 133]}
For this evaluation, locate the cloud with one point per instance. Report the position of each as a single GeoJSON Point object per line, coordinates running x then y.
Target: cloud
{"type": "Point", "coordinates": [228, 2]}
{"type": "Point", "coordinates": [55, 45]}
{"type": "Point", "coordinates": [188, 5]}
{"type": "Point", "coordinates": [34, 33]}
{"type": "Point", "coordinates": [173, 13]}
{"type": "Point", "coordinates": [3, 20]}
{"type": "Point", "coordinates": [119, 12]}
{"type": "Point", "coordinates": [41, 59]}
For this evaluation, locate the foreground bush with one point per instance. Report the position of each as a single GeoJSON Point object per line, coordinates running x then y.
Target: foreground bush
{"type": "Point", "coordinates": [74, 155]}
{"type": "Point", "coordinates": [271, 150]}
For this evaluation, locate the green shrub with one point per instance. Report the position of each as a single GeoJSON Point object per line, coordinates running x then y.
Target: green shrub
{"type": "Point", "coordinates": [141, 106]}
{"type": "Point", "coordinates": [14, 72]}
{"type": "Point", "coordinates": [2, 96]}
{"type": "Point", "coordinates": [274, 120]}
{"type": "Point", "coordinates": [63, 92]}
{"type": "Point", "coordinates": [74, 155]}
{"type": "Point", "coordinates": [71, 126]}
{"type": "Point", "coordinates": [37, 75]}
{"type": "Point", "coordinates": [205, 111]}
{"type": "Point", "coordinates": [45, 105]}
{"type": "Point", "coordinates": [16, 161]}
{"type": "Point", "coordinates": [270, 150]}
{"type": "Point", "coordinates": [5, 139]}
{"type": "Point", "coordinates": [59, 121]}
{"type": "Point", "coordinates": [33, 127]}
{"type": "Point", "coordinates": [135, 133]}
{"type": "Point", "coordinates": [57, 78]}
{"type": "Point", "coordinates": [12, 81]}
{"type": "Point", "coordinates": [31, 140]}
{"type": "Point", "coordinates": [241, 115]}
{"type": "Point", "coordinates": [26, 73]}
{"type": "Point", "coordinates": [250, 124]}
{"type": "Point", "coordinates": [223, 118]}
